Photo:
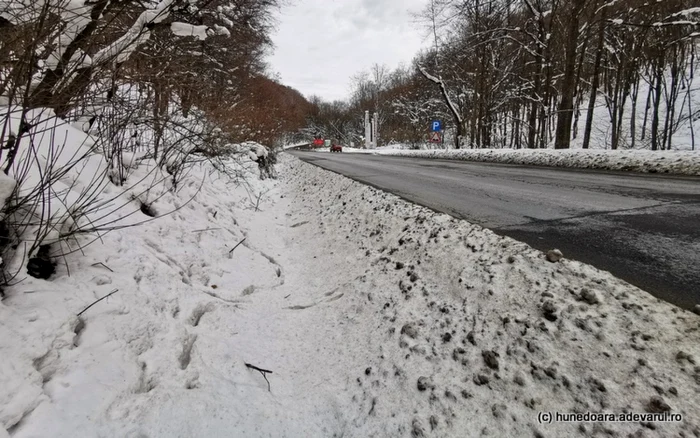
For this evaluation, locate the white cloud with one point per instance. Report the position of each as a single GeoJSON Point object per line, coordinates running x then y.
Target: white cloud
{"type": "Point", "coordinates": [320, 44]}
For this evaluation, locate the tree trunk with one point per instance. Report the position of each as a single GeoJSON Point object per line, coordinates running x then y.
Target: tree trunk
{"type": "Point", "coordinates": [690, 105]}
{"type": "Point", "coordinates": [546, 108]}
{"type": "Point", "coordinates": [676, 66]}
{"type": "Point", "coordinates": [578, 91]}
{"type": "Point", "coordinates": [658, 78]}
{"type": "Point", "coordinates": [633, 115]}
{"type": "Point", "coordinates": [646, 111]}
{"type": "Point", "coordinates": [532, 127]}
{"type": "Point", "coordinates": [594, 84]}
{"type": "Point", "coordinates": [566, 105]}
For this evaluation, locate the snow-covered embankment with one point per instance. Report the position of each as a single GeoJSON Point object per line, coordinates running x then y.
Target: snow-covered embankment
{"type": "Point", "coordinates": [375, 316]}
{"type": "Point", "coordinates": [469, 333]}
{"type": "Point", "coordinates": [672, 162]}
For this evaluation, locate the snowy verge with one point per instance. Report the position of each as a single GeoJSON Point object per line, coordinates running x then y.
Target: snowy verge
{"type": "Point", "coordinates": [121, 367]}
{"type": "Point", "coordinates": [377, 317]}
{"type": "Point", "coordinates": [467, 333]}
{"type": "Point", "coordinates": [672, 162]}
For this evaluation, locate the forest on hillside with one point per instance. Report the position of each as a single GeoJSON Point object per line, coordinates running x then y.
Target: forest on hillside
{"type": "Point", "coordinates": [537, 74]}
{"type": "Point", "coordinates": [499, 73]}
{"type": "Point", "coordinates": [106, 106]}
{"type": "Point", "coordinates": [147, 61]}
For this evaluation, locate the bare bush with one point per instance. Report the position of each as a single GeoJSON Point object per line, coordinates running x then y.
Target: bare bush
{"type": "Point", "coordinates": [112, 94]}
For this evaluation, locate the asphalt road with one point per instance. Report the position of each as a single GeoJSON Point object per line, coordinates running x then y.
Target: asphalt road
{"type": "Point", "coordinates": [642, 228]}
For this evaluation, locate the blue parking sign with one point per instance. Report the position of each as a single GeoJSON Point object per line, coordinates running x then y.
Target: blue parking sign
{"type": "Point", "coordinates": [436, 125]}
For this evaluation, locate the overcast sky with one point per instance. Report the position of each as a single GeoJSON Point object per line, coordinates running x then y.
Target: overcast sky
{"type": "Point", "coordinates": [320, 44]}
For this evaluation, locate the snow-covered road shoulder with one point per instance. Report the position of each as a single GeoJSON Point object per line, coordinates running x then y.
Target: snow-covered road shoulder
{"type": "Point", "coordinates": [375, 316]}
{"type": "Point", "coordinates": [469, 333]}
{"type": "Point", "coordinates": [671, 162]}
{"type": "Point", "coordinates": [156, 357]}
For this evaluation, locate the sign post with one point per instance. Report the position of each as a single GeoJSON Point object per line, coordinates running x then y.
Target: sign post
{"type": "Point", "coordinates": [375, 130]}
{"type": "Point", "coordinates": [436, 132]}
{"type": "Point", "coordinates": [368, 131]}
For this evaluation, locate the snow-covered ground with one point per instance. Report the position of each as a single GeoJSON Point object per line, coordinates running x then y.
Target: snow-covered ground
{"type": "Point", "coordinates": [376, 317]}
{"type": "Point", "coordinates": [674, 162]}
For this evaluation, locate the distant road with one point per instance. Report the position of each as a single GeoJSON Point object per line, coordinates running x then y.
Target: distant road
{"type": "Point", "coordinates": [642, 228]}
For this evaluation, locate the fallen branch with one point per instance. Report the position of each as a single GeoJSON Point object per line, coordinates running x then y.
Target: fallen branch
{"type": "Point", "coordinates": [206, 229]}
{"type": "Point", "coordinates": [262, 371]}
{"type": "Point", "coordinates": [232, 249]}
{"type": "Point", "coordinates": [100, 263]}
{"type": "Point", "coordinates": [257, 204]}
{"type": "Point", "coordinates": [106, 296]}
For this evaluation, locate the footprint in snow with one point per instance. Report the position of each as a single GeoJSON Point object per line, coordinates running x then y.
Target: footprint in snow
{"type": "Point", "coordinates": [186, 355]}
{"type": "Point", "coordinates": [199, 312]}
{"type": "Point", "coordinates": [101, 280]}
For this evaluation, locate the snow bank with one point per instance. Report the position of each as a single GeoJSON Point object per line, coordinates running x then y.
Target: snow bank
{"type": "Point", "coordinates": [376, 317]}
{"type": "Point", "coordinates": [125, 366]}
{"type": "Point", "coordinates": [675, 162]}
{"type": "Point", "coordinates": [68, 370]}
{"type": "Point", "coordinates": [452, 330]}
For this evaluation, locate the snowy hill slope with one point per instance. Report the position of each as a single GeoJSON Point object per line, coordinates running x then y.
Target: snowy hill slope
{"type": "Point", "coordinates": [92, 374]}
{"type": "Point", "coordinates": [375, 317]}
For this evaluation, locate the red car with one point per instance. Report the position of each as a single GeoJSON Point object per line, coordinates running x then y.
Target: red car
{"type": "Point", "coordinates": [336, 148]}
{"type": "Point", "coordinates": [318, 142]}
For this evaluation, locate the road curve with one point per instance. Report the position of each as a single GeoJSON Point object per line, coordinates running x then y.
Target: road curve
{"type": "Point", "coordinates": [642, 228]}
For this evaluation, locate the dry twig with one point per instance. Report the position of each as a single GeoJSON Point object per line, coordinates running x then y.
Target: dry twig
{"type": "Point", "coordinates": [262, 371]}
{"type": "Point", "coordinates": [100, 263]}
{"type": "Point", "coordinates": [95, 302]}
{"type": "Point", "coordinates": [232, 249]}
